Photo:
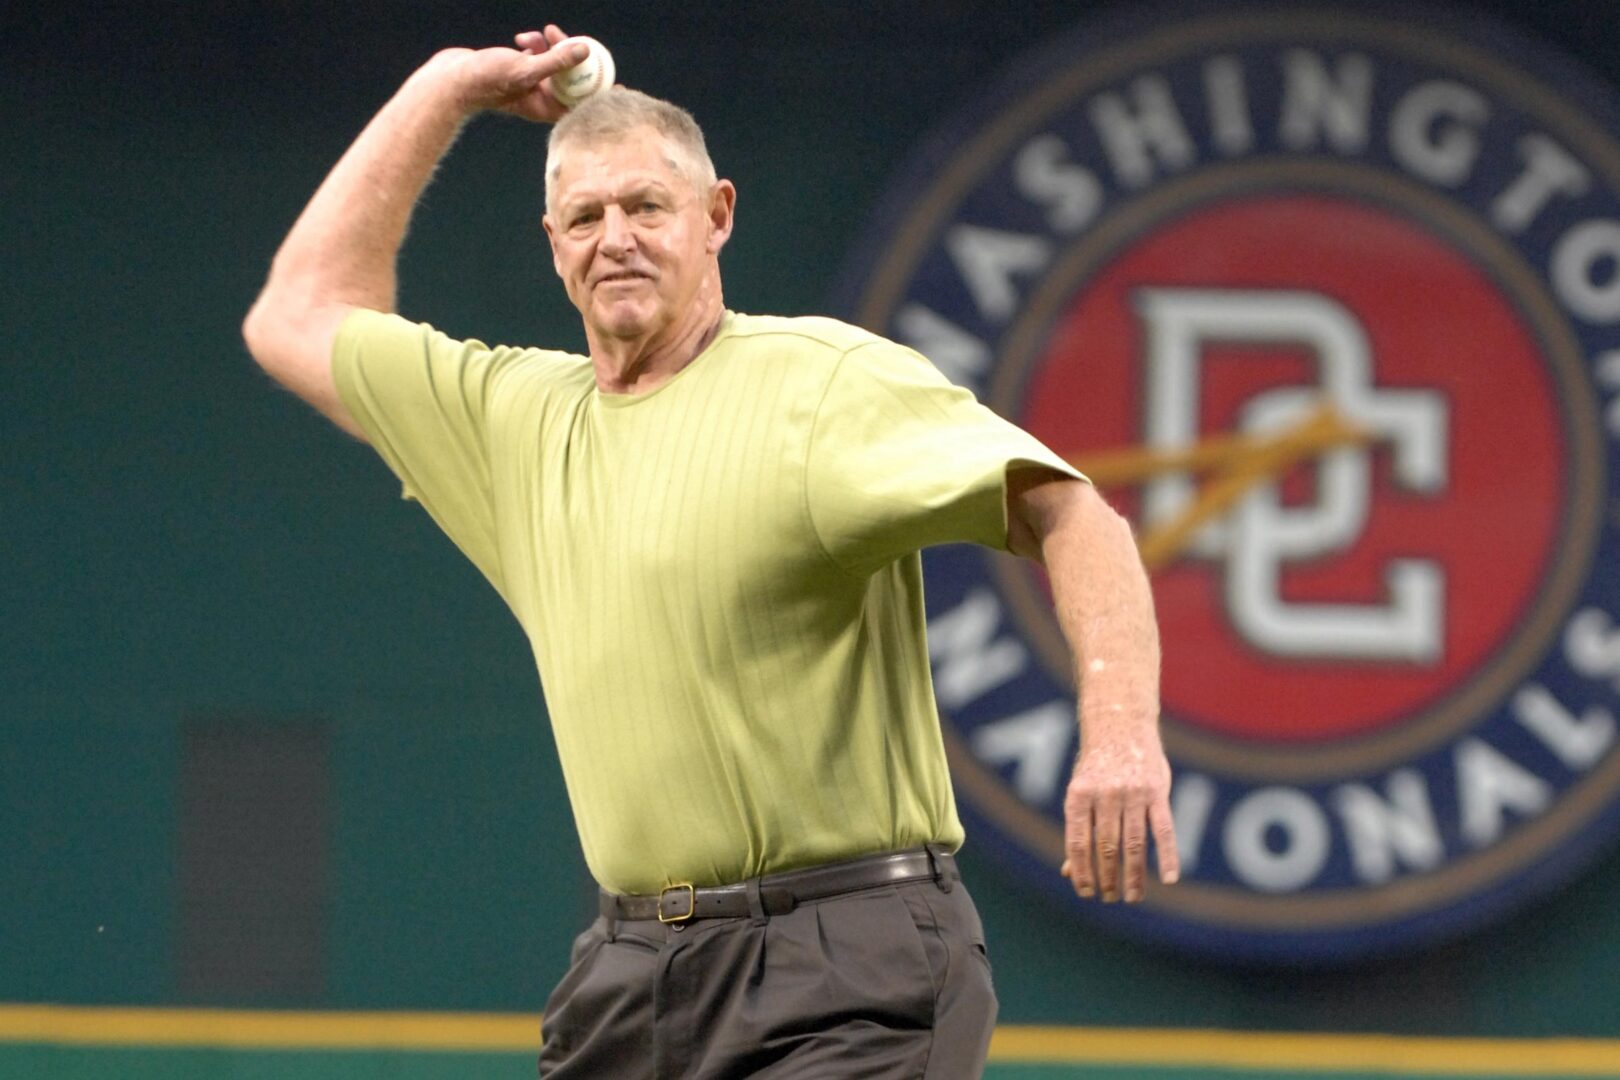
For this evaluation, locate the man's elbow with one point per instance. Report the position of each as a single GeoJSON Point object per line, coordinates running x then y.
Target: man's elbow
{"type": "Point", "coordinates": [291, 339]}
{"type": "Point", "coordinates": [253, 332]}
{"type": "Point", "coordinates": [293, 344]}
{"type": "Point", "coordinates": [266, 330]}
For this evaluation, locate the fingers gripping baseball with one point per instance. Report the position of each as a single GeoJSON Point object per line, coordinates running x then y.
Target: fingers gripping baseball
{"type": "Point", "coordinates": [1115, 803]}
{"type": "Point", "coordinates": [515, 80]}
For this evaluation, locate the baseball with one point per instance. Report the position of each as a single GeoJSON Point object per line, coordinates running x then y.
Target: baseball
{"type": "Point", "coordinates": [573, 85]}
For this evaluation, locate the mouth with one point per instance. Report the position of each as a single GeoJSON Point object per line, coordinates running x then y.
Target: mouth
{"type": "Point", "coordinates": [622, 276]}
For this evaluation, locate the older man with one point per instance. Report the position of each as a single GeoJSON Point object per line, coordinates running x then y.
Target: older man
{"type": "Point", "coordinates": [709, 528]}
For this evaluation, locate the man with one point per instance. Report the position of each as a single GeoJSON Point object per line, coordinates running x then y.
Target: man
{"type": "Point", "coordinates": [709, 529]}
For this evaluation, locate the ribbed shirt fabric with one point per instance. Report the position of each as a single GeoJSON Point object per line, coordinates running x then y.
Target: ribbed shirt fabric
{"type": "Point", "coordinates": [719, 578]}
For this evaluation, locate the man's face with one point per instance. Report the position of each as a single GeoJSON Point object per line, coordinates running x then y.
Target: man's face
{"type": "Point", "coordinates": [630, 237]}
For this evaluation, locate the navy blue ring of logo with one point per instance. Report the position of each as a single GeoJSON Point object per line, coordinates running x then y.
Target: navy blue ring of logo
{"type": "Point", "coordinates": [904, 283]}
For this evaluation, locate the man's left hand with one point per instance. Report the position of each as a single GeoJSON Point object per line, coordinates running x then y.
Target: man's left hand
{"type": "Point", "coordinates": [1120, 794]}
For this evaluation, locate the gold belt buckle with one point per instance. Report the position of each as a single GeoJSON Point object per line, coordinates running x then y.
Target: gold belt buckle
{"type": "Point", "coordinates": [691, 903]}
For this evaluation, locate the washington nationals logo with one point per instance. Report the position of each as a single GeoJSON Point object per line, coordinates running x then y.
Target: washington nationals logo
{"type": "Point", "coordinates": [1329, 305]}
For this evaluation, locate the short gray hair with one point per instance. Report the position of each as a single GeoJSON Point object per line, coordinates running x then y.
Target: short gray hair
{"type": "Point", "coordinates": [617, 111]}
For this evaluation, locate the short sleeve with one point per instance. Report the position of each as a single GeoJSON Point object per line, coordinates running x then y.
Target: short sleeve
{"type": "Point", "coordinates": [422, 398]}
{"type": "Point", "coordinates": [901, 458]}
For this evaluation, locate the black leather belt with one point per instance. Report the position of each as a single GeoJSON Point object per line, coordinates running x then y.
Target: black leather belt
{"type": "Point", "coordinates": [779, 894]}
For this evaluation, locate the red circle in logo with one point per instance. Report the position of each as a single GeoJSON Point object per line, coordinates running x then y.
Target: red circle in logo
{"type": "Point", "coordinates": [1251, 651]}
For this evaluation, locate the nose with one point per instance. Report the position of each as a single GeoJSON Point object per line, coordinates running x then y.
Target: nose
{"type": "Point", "coordinates": [617, 237]}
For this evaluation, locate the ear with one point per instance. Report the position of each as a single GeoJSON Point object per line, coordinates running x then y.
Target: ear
{"type": "Point", "coordinates": [550, 226]}
{"type": "Point", "coordinates": [722, 209]}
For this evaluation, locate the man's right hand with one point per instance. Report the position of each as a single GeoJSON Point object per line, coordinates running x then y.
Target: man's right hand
{"type": "Point", "coordinates": [515, 81]}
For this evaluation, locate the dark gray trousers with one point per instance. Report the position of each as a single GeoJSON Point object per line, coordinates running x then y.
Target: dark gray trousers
{"type": "Point", "coordinates": [891, 982]}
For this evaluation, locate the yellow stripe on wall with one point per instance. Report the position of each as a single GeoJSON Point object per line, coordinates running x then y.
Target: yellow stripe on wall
{"type": "Point", "coordinates": [95, 1026]}
{"type": "Point", "coordinates": [1299, 1051]}
{"type": "Point", "coordinates": [520, 1033]}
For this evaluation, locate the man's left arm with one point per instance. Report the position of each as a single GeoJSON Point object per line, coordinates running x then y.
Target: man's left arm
{"type": "Point", "coordinates": [1120, 792]}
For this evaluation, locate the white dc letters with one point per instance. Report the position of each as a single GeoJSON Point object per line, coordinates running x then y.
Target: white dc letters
{"type": "Point", "coordinates": [1262, 535]}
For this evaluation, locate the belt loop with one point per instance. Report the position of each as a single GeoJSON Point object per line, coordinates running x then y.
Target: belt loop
{"type": "Point", "coordinates": [612, 921]}
{"type": "Point", "coordinates": [937, 856]}
{"type": "Point", "coordinates": [756, 904]}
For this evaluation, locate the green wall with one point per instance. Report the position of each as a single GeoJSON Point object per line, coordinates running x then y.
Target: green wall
{"type": "Point", "coordinates": [186, 541]}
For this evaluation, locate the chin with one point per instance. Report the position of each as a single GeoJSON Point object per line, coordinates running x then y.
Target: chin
{"type": "Point", "coordinates": [623, 328]}
{"type": "Point", "coordinates": [621, 323]}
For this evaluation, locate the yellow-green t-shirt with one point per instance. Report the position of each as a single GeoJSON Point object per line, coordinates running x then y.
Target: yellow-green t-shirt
{"type": "Point", "coordinates": [719, 578]}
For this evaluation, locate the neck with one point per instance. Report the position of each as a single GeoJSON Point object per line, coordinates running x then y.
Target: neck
{"type": "Point", "coordinates": [638, 365]}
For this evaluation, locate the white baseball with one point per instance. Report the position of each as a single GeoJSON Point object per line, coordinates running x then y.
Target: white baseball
{"type": "Point", "coordinates": [592, 74]}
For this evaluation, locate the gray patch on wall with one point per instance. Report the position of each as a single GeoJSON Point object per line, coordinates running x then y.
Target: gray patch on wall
{"type": "Point", "coordinates": [252, 889]}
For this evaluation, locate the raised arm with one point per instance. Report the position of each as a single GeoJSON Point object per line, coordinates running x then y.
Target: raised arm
{"type": "Point", "coordinates": [341, 252]}
{"type": "Point", "coordinates": [1120, 792]}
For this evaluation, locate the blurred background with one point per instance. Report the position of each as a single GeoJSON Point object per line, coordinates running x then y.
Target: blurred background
{"type": "Point", "coordinates": [267, 742]}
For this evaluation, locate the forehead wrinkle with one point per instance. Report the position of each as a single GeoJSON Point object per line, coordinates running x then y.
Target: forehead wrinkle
{"type": "Point", "coordinates": [668, 152]}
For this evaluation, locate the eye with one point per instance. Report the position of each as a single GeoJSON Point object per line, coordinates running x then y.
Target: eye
{"type": "Point", "coordinates": [584, 219]}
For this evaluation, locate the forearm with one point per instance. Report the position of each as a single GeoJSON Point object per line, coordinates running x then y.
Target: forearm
{"type": "Point", "coordinates": [1105, 608]}
{"type": "Point", "coordinates": [1119, 795]}
{"type": "Point", "coordinates": [343, 248]}
{"type": "Point", "coordinates": [340, 254]}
